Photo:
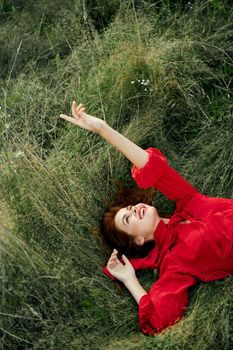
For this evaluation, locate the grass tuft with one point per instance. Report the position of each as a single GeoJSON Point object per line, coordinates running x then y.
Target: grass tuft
{"type": "Point", "coordinates": [160, 73]}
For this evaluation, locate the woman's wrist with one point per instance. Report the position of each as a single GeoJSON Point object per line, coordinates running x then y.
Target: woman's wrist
{"type": "Point", "coordinates": [102, 128]}
{"type": "Point", "coordinates": [130, 280]}
{"type": "Point", "coordinates": [135, 288]}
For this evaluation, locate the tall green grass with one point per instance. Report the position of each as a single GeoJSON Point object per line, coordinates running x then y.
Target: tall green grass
{"type": "Point", "coordinates": [56, 178]}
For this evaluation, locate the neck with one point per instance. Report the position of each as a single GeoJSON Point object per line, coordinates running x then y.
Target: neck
{"type": "Point", "coordinates": [165, 220]}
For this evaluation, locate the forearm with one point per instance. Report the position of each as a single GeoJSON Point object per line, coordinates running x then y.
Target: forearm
{"type": "Point", "coordinates": [135, 288]}
{"type": "Point", "coordinates": [134, 153]}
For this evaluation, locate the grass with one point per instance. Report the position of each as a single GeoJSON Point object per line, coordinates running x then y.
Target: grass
{"type": "Point", "coordinates": [55, 178]}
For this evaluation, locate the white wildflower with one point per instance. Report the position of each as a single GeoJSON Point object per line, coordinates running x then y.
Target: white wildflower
{"type": "Point", "coordinates": [19, 154]}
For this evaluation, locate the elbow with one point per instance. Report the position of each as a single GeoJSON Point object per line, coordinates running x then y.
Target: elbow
{"type": "Point", "coordinates": [156, 317]}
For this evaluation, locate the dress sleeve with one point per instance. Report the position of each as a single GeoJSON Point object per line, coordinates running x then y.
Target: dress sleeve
{"type": "Point", "coordinates": [165, 303]}
{"type": "Point", "coordinates": [158, 173]}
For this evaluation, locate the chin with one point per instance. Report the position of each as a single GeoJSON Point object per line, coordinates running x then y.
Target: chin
{"type": "Point", "coordinates": [153, 211]}
{"type": "Point", "coordinates": [156, 217]}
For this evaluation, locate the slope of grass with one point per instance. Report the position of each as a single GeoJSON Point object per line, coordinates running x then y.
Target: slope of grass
{"type": "Point", "coordinates": [56, 178]}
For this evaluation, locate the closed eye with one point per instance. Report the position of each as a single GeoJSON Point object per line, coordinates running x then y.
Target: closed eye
{"type": "Point", "coordinates": [127, 218]}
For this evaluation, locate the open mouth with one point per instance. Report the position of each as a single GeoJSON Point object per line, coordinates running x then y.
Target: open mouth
{"type": "Point", "coordinates": [141, 212]}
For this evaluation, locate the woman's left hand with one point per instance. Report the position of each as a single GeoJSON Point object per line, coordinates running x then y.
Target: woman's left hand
{"type": "Point", "coordinates": [118, 270]}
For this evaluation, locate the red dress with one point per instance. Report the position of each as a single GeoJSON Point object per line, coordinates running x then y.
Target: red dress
{"type": "Point", "coordinates": [184, 253]}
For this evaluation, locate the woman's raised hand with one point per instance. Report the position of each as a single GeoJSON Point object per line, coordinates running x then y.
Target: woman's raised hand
{"type": "Point", "coordinates": [118, 270]}
{"type": "Point", "coordinates": [84, 120]}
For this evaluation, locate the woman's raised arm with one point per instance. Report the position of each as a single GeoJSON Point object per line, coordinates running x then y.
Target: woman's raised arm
{"type": "Point", "coordinates": [134, 153]}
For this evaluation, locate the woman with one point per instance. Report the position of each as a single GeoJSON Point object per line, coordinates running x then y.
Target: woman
{"type": "Point", "coordinates": [196, 243]}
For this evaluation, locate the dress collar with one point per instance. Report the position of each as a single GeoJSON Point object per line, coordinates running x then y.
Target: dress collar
{"type": "Point", "coordinates": [163, 240]}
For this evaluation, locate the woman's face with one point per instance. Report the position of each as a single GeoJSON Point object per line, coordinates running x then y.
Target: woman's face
{"type": "Point", "coordinates": [138, 220]}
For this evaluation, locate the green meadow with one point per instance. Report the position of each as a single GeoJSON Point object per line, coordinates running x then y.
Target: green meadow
{"type": "Point", "coordinates": [160, 72]}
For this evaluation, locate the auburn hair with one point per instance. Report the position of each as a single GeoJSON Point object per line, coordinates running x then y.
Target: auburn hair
{"type": "Point", "coordinates": [119, 239]}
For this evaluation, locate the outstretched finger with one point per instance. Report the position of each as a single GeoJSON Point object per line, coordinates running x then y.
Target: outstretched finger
{"type": "Point", "coordinates": [69, 119]}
